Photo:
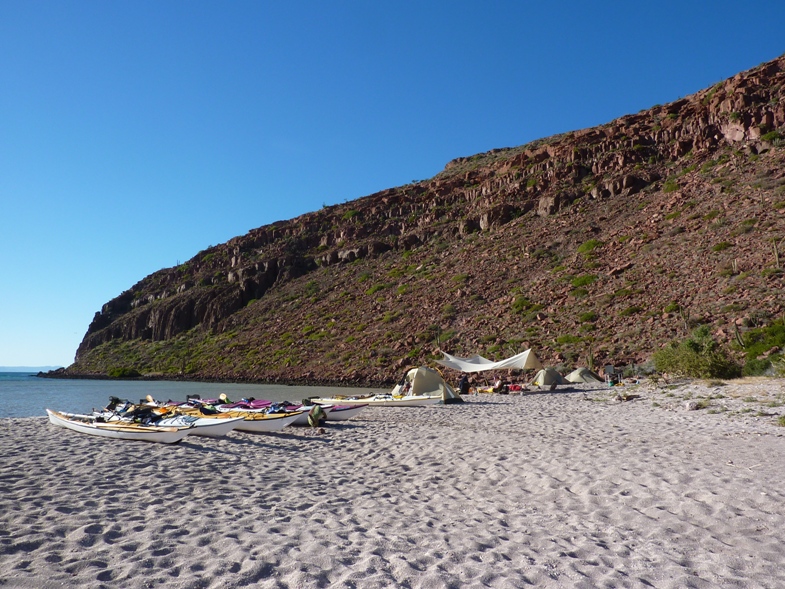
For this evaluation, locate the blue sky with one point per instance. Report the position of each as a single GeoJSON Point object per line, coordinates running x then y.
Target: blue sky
{"type": "Point", "coordinates": [135, 134]}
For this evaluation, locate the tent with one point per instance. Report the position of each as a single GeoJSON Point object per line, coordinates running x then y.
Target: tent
{"type": "Point", "coordinates": [523, 361]}
{"type": "Point", "coordinates": [427, 381]}
{"type": "Point", "coordinates": [548, 376]}
{"type": "Point", "coordinates": [583, 375]}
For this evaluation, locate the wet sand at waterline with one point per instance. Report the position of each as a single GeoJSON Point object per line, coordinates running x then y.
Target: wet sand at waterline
{"type": "Point", "coordinates": [570, 488]}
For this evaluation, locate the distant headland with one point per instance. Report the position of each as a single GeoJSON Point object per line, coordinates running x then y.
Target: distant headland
{"type": "Point", "coordinates": [28, 368]}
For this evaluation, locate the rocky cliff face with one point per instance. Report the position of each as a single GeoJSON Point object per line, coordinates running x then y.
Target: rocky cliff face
{"type": "Point", "coordinates": [605, 242]}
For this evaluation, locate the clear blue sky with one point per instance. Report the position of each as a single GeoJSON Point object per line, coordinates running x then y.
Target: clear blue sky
{"type": "Point", "coordinates": [135, 134]}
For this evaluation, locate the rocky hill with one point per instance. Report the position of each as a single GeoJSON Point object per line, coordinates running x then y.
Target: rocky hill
{"type": "Point", "coordinates": [597, 245]}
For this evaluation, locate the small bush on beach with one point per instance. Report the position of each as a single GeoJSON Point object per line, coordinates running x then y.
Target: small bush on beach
{"type": "Point", "coordinates": [698, 356]}
{"type": "Point", "coordinates": [756, 367]}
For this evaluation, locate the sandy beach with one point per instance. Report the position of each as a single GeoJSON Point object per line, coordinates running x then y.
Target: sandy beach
{"type": "Point", "coordinates": [565, 488]}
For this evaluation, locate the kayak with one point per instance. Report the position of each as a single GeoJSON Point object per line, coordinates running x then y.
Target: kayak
{"type": "Point", "coordinates": [246, 405]}
{"type": "Point", "coordinates": [118, 430]}
{"type": "Point", "coordinates": [344, 412]}
{"type": "Point", "coordinates": [383, 400]}
{"type": "Point", "coordinates": [305, 411]}
{"type": "Point", "coordinates": [152, 413]}
{"type": "Point", "coordinates": [258, 422]}
{"type": "Point", "coordinates": [211, 427]}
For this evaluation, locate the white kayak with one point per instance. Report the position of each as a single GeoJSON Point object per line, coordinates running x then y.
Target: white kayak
{"type": "Point", "coordinates": [306, 410]}
{"type": "Point", "coordinates": [248, 420]}
{"type": "Point", "coordinates": [119, 430]}
{"type": "Point", "coordinates": [344, 412]}
{"type": "Point", "coordinates": [211, 427]}
{"type": "Point", "coordinates": [384, 400]}
{"type": "Point", "coordinates": [258, 422]}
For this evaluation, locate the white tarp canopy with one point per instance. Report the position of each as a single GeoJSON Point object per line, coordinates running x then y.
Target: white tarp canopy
{"type": "Point", "coordinates": [523, 361]}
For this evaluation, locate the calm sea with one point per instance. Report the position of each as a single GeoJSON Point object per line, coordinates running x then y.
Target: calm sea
{"type": "Point", "coordinates": [23, 394]}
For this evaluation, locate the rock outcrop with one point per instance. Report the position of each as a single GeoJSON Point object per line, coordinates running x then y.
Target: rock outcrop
{"type": "Point", "coordinates": [606, 241]}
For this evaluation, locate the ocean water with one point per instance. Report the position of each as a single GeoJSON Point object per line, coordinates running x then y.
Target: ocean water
{"type": "Point", "coordinates": [23, 394]}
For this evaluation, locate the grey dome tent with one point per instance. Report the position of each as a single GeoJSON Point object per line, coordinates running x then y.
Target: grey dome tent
{"type": "Point", "coordinates": [548, 377]}
{"type": "Point", "coordinates": [583, 375]}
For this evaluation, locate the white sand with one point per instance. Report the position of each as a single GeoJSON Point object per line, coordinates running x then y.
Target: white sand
{"type": "Point", "coordinates": [562, 489]}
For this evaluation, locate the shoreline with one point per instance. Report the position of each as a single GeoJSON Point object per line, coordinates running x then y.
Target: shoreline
{"type": "Point", "coordinates": [565, 488]}
{"type": "Point", "coordinates": [217, 380]}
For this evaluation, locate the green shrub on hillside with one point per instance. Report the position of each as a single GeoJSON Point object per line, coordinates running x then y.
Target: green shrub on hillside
{"type": "Point", "coordinates": [584, 280]}
{"type": "Point", "coordinates": [670, 185]}
{"type": "Point", "coordinates": [671, 307]}
{"type": "Point", "coordinates": [311, 288]}
{"type": "Point", "coordinates": [698, 356]}
{"type": "Point", "coordinates": [588, 247]}
{"type": "Point", "coordinates": [760, 341]}
{"type": "Point", "coordinates": [376, 288]}
{"type": "Point", "coordinates": [523, 305]}
{"type": "Point", "coordinates": [711, 215]}
{"type": "Point", "coordinates": [123, 373]}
